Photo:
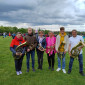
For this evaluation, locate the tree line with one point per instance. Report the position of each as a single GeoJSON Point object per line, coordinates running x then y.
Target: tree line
{"type": "Point", "coordinates": [24, 30]}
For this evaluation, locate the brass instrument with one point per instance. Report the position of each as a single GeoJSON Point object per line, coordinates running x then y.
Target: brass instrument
{"type": "Point", "coordinates": [75, 50]}
{"type": "Point", "coordinates": [50, 49]}
{"type": "Point", "coordinates": [41, 48]}
{"type": "Point", "coordinates": [19, 50]}
{"type": "Point", "coordinates": [61, 54]}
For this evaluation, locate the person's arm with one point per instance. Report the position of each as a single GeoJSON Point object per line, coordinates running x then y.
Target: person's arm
{"type": "Point", "coordinates": [11, 46]}
{"type": "Point", "coordinates": [12, 49]}
{"type": "Point", "coordinates": [56, 44]}
{"type": "Point", "coordinates": [81, 38]}
{"type": "Point", "coordinates": [69, 49]}
{"type": "Point", "coordinates": [45, 43]}
{"type": "Point", "coordinates": [67, 43]}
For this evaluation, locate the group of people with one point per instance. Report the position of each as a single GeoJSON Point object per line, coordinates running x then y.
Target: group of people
{"type": "Point", "coordinates": [60, 45]}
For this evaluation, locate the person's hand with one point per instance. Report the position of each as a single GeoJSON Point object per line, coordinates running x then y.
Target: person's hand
{"type": "Point", "coordinates": [52, 47]}
{"type": "Point", "coordinates": [28, 50]}
{"type": "Point", "coordinates": [57, 51]}
{"type": "Point", "coordinates": [48, 47]}
{"type": "Point", "coordinates": [43, 49]}
{"type": "Point", "coordinates": [17, 53]}
{"type": "Point", "coordinates": [80, 48]}
{"type": "Point", "coordinates": [64, 52]}
{"type": "Point", "coordinates": [20, 54]}
{"type": "Point", "coordinates": [69, 53]}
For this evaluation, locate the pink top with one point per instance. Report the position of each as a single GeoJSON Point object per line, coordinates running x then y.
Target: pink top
{"type": "Point", "coordinates": [50, 42]}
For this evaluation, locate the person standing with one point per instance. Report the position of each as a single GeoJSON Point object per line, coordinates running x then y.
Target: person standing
{"type": "Point", "coordinates": [61, 49]}
{"type": "Point", "coordinates": [74, 40]}
{"type": "Point", "coordinates": [15, 42]}
{"type": "Point", "coordinates": [40, 48]}
{"type": "Point", "coordinates": [50, 49]}
{"type": "Point", "coordinates": [30, 48]}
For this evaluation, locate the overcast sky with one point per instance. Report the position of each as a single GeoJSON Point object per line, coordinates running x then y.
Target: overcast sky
{"type": "Point", "coordinates": [45, 14]}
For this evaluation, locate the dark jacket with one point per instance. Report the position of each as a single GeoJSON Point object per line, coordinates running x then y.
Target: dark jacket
{"type": "Point", "coordinates": [43, 43]}
{"type": "Point", "coordinates": [31, 39]}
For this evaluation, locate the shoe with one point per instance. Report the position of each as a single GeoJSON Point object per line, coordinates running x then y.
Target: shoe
{"type": "Point", "coordinates": [82, 73]}
{"type": "Point", "coordinates": [49, 67]}
{"type": "Point", "coordinates": [38, 67]}
{"type": "Point", "coordinates": [58, 69]}
{"type": "Point", "coordinates": [64, 71]}
{"type": "Point", "coordinates": [69, 71]}
{"type": "Point", "coordinates": [33, 69]}
{"type": "Point", "coordinates": [20, 72]}
{"type": "Point", "coordinates": [27, 70]}
{"type": "Point", "coordinates": [52, 69]}
{"type": "Point", "coordinates": [17, 72]}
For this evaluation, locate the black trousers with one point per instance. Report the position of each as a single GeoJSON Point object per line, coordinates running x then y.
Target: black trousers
{"type": "Point", "coordinates": [18, 63]}
{"type": "Point", "coordinates": [40, 58]}
{"type": "Point", "coordinates": [51, 60]}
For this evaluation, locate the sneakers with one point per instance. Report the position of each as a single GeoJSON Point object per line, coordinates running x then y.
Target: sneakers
{"type": "Point", "coordinates": [27, 70]}
{"type": "Point", "coordinates": [20, 72]}
{"type": "Point", "coordinates": [58, 69]}
{"type": "Point", "coordinates": [82, 73]}
{"type": "Point", "coordinates": [17, 72]}
{"type": "Point", "coordinates": [33, 69]}
{"type": "Point", "coordinates": [64, 71]}
{"type": "Point", "coordinates": [69, 71]}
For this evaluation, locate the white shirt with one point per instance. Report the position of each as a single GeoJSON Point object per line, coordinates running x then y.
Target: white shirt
{"type": "Point", "coordinates": [75, 40]}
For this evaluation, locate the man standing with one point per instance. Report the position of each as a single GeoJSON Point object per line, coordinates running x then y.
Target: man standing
{"type": "Point", "coordinates": [62, 43]}
{"type": "Point", "coordinates": [30, 48]}
{"type": "Point", "coordinates": [74, 40]}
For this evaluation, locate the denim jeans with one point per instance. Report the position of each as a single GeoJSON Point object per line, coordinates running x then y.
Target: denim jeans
{"type": "Point", "coordinates": [80, 58]}
{"type": "Point", "coordinates": [63, 61]}
{"type": "Point", "coordinates": [32, 57]}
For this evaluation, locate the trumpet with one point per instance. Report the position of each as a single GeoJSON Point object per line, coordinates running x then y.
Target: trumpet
{"type": "Point", "coordinates": [51, 48]}
{"type": "Point", "coordinates": [41, 48]}
{"type": "Point", "coordinates": [75, 50]}
{"type": "Point", "coordinates": [19, 50]}
{"type": "Point", "coordinates": [61, 54]}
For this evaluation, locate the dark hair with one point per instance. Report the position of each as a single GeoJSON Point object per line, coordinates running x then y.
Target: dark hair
{"type": "Point", "coordinates": [62, 28]}
{"type": "Point", "coordinates": [41, 32]}
{"type": "Point", "coordinates": [74, 30]}
{"type": "Point", "coordinates": [19, 33]}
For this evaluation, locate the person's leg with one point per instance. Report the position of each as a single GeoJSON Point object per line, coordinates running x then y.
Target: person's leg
{"type": "Point", "coordinates": [80, 63]}
{"type": "Point", "coordinates": [70, 65]}
{"type": "Point", "coordinates": [53, 56]}
{"type": "Point", "coordinates": [16, 65]}
{"type": "Point", "coordinates": [49, 61]}
{"type": "Point", "coordinates": [20, 62]}
{"type": "Point", "coordinates": [53, 60]}
{"type": "Point", "coordinates": [32, 57]}
{"type": "Point", "coordinates": [63, 61]}
{"type": "Point", "coordinates": [41, 60]}
{"type": "Point", "coordinates": [59, 62]}
{"type": "Point", "coordinates": [28, 58]}
{"type": "Point", "coordinates": [38, 54]}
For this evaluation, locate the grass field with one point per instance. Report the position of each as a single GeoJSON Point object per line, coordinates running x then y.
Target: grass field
{"type": "Point", "coordinates": [45, 77]}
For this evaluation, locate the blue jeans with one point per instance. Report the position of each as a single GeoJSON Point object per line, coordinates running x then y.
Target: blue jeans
{"type": "Point", "coordinates": [63, 61]}
{"type": "Point", "coordinates": [80, 58]}
{"type": "Point", "coordinates": [32, 57]}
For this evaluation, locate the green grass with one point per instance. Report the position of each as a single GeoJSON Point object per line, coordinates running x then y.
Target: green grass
{"type": "Point", "coordinates": [45, 77]}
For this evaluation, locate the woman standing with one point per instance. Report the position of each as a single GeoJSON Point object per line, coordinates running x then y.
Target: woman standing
{"type": "Point", "coordinates": [40, 48]}
{"type": "Point", "coordinates": [15, 42]}
{"type": "Point", "coordinates": [50, 49]}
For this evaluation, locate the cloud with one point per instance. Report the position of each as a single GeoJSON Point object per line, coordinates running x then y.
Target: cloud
{"type": "Point", "coordinates": [43, 12]}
